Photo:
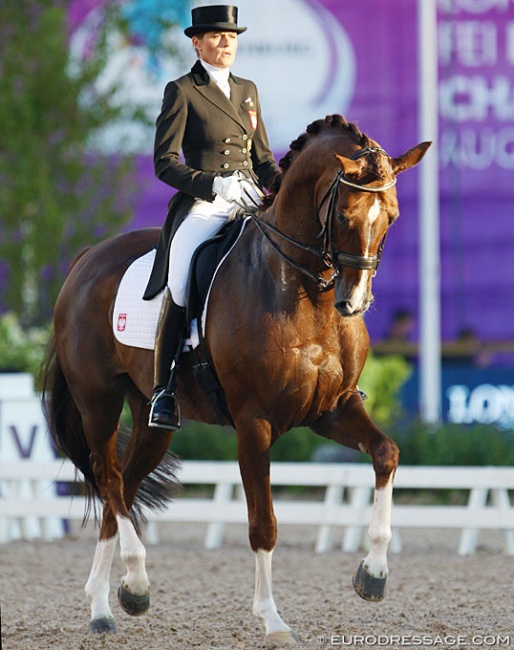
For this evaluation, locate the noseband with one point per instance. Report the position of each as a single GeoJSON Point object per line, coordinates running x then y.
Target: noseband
{"type": "Point", "coordinates": [332, 257]}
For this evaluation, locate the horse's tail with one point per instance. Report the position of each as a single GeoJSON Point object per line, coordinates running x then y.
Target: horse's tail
{"type": "Point", "coordinates": [64, 421]}
{"type": "Point", "coordinates": [65, 426]}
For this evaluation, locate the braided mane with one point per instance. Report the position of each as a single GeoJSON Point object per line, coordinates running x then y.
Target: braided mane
{"type": "Point", "coordinates": [319, 126]}
{"type": "Point", "coordinates": [330, 122]}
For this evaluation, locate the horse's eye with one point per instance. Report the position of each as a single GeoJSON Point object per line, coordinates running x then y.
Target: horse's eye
{"type": "Point", "coordinates": [343, 219]}
{"type": "Point", "coordinates": [391, 220]}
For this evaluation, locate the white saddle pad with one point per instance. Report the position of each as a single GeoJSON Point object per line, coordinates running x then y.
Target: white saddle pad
{"type": "Point", "coordinates": [134, 319]}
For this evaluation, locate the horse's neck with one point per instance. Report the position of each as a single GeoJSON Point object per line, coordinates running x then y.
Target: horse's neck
{"type": "Point", "coordinates": [294, 213]}
{"type": "Point", "coordinates": [287, 289]}
{"type": "Point", "coordinates": [293, 218]}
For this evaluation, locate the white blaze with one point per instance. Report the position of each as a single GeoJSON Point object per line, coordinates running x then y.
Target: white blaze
{"type": "Point", "coordinates": [360, 290]}
{"type": "Point", "coordinates": [374, 211]}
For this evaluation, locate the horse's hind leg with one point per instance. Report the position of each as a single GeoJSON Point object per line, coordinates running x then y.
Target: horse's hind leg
{"type": "Point", "coordinates": [145, 450]}
{"type": "Point", "coordinates": [134, 592]}
{"type": "Point", "coordinates": [101, 436]}
{"type": "Point", "coordinates": [98, 585]}
{"type": "Point", "coordinates": [118, 486]}
{"type": "Point", "coordinates": [100, 420]}
{"type": "Point", "coordinates": [254, 441]}
{"type": "Point", "coordinates": [351, 426]}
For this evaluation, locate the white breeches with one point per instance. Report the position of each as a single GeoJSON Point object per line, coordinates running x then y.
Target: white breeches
{"type": "Point", "coordinates": [203, 221]}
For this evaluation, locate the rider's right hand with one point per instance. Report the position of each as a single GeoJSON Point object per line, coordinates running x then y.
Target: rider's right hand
{"type": "Point", "coordinates": [228, 187]}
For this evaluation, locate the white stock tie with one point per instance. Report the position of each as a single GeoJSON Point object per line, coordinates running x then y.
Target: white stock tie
{"type": "Point", "coordinates": [219, 76]}
{"type": "Point", "coordinates": [225, 87]}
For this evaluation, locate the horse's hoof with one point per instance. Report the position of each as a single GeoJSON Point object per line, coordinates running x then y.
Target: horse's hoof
{"type": "Point", "coordinates": [103, 624]}
{"type": "Point", "coordinates": [368, 587]}
{"type": "Point", "coordinates": [280, 639]}
{"type": "Point", "coordinates": [133, 604]}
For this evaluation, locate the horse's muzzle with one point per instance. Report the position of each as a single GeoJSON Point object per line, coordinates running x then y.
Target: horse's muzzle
{"type": "Point", "coordinates": [352, 298]}
{"type": "Point", "coordinates": [346, 308]}
{"type": "Point", "coordinates": [353, 304]}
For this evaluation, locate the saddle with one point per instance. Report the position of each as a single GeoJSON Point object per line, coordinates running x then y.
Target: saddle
{"type": "Point", "coordinates": [206, 260]}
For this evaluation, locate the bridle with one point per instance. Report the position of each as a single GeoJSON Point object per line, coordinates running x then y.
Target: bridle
{"type": "Point", "coordinates": [331, 257]}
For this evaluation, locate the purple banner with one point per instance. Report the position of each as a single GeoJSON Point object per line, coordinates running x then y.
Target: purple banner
{"type": "Point", "coordinates": [310, 58]}
{"type": "Point", "coordinates": [476, 109]}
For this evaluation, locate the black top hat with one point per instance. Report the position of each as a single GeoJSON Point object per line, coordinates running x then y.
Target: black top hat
{"type": "Point", "coordinates": [215, 18]}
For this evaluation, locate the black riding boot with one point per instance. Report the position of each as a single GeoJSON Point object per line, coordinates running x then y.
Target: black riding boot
{"type": "Point", "coordinates": [165, 410]}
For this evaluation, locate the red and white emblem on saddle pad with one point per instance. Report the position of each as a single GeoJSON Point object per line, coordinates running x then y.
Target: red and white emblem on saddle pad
{"type": "Point", "coordinates": [253, 119]}
{"type": "Point", "coordinates": [122, 322]}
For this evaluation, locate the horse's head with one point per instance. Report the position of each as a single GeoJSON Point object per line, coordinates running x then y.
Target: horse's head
{"type": "Point", "coordinates": [357, 207]}
{"type": "Point", "coordinates": [337, 177]}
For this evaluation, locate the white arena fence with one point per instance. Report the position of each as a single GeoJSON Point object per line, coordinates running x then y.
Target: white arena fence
{"type": "Point", "coordinates": [338, 503]}
{"type": "Point", "coordinates": [35, 501]}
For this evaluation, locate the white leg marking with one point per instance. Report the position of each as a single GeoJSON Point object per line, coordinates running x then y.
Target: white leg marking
{"type": "Point", "coordinates": [263, 603]}
{"type": "Point", "coordinates": [133, 554]}
{"type": "Point", "coordinates": [97, 586]}
{"type": "Point", "coordinates": [375, 562]}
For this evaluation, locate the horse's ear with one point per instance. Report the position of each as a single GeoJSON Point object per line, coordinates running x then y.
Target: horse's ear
{"type": "Point", "coordinates": [350, 167]}
{"type": "Point", "coordinates": [410, 157]}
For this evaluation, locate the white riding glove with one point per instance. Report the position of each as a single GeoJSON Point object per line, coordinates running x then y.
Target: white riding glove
{"type": "Point", "coordinates": [228, 187]}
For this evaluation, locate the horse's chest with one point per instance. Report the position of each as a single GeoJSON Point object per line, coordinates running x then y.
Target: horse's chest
{"type": "Point", "coordinates": [314, 370]}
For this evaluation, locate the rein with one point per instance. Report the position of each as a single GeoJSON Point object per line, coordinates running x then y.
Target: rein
{"type": "Point", "coordinates": [318, 279]}
{"type": "Point", "coordinates": [331, 257]}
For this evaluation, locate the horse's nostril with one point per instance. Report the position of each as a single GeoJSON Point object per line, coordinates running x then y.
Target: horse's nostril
{"type": "Point", "coordinates": [345, 308]}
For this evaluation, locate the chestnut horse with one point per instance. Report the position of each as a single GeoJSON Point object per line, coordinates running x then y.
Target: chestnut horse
{"type": "Point", "coordinates": [285, 334]}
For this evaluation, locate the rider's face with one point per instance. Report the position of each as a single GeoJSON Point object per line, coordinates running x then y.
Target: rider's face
{"type": "Point", "coordinates": [216, 48]}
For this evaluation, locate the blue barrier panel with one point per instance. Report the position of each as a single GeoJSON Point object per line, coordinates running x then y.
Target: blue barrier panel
{"type": "Point", "coordinates": [470, 395]}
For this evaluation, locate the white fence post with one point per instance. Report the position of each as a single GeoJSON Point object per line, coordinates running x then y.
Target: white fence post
{"type": "Point", "coordinates": [500, 498]}
{"type": "Point", "coordinates": [354, 535]}
{"type": "Point", "coordinates": [469, 537]}
{"type": "Point", "coordinates": [333, 497]}
{"type": "Point", "coordinates": [215, 531]}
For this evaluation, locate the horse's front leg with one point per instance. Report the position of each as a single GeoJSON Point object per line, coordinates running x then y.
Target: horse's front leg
{"type": "Point", "coordinates": [254, 442]}
{"type": "Point", "coordinates": [350, 425]}
{"type": "Point", "coordinates": [370, 580]}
